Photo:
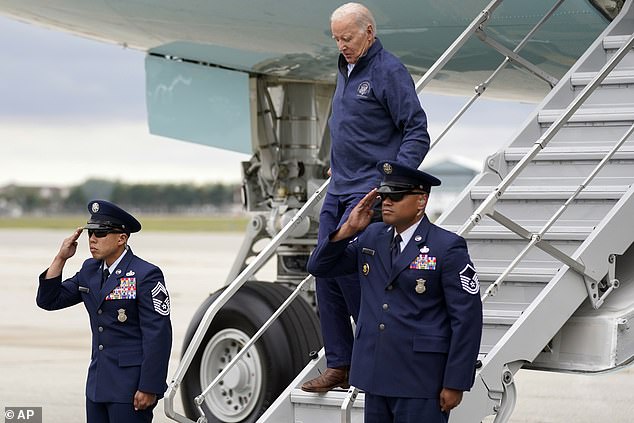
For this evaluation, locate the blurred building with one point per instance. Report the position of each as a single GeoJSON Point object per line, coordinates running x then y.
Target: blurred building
{"type": "Point", "coordinates": [455, 173]}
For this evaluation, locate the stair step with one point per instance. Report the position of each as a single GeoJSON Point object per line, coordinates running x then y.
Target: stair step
{"type": "Point", "coordinates": [333, 398]}
{"type": "Point", "coordinates": [324, 407]}
{"type": "Point", "coordinates": [512, 296]}
{"type": "Point", "coordinates": [617, 77]}
{"type": "Point", "coordinates": [615, 42]}
{"type": "Point", "coordinates": [596, 192]}
{"type": "Point", "coordinates": [561, 232]}
{"type": "Point", "coordinates": [594, 114]}
{"type": "Point", "coordinates": [594, 153]}
{"type": "Point", "coordinates": [518, 277]}
{"type": "Point", "coordinates": [500, 317]}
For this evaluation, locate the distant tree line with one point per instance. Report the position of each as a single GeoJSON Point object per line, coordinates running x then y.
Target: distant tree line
{"type": "Point", "coordinates": [159, 198]}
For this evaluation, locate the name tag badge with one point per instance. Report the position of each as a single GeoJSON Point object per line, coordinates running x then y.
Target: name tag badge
{"type": "Point", "coordinates": [367, 251]}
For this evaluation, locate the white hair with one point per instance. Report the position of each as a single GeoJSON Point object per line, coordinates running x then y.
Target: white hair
{"type": "Point", "coordinates": [363, 16]}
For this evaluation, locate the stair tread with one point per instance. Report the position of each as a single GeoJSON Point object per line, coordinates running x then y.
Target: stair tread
{"type": "Point", "coordinates": [568, 153]}
{"type": "Point", "coordinates": [332, 398]}
{"type": "Point", "coordinates": [483, 231]}
{"type": "Point", "coordinates": [612, 42]}
{"type": "Point", "coordinates": [590, 114]}
{"type": "Point", "coordinates": [615, 77]}
{"type": "Point", "coordinates": [610, 192]}
{"type": "Point", "coordinates": [500, 317]}
{"type": "Point", "coordinates": [495, 228]}
{"type": "Point", "coordinates": [519, 275]}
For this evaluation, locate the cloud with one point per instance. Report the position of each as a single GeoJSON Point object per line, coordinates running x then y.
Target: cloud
{"type": "Point", "coordinates": [48, 75]}
{"type": "Point", "coordinates": [73, 108]}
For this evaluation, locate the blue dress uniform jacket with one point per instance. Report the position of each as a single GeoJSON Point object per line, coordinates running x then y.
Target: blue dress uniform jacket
{"type": "Point", "coordinates": [130, 323]}
{"type": "Point", "coordinates": [420, 320]}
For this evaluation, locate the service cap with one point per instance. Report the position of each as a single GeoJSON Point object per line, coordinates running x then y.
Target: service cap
{"type": "Point", "coordinates": [107, 215]}
{"type": "Point", "coordinates": [400, 178]}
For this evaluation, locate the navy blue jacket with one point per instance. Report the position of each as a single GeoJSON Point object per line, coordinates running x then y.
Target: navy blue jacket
{"type": "Point", "coordinates": [420, 321]}
{"type": "Point", "coordinates": [127, 355]}
{"type": "Point", "coordinates": [376, 115]}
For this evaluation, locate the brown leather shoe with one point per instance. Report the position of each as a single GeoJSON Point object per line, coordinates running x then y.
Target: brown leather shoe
{"type": "Point", "coordinates": [330, 379]}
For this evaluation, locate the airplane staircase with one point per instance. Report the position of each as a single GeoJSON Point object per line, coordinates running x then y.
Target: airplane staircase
{"type": "Point", "coordinates": [548, 224]}
{"type": "Point", "coordinates": [548, 227]}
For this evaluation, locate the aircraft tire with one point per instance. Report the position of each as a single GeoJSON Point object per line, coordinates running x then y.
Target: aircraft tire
{"type": "Point", "coordinates": [266, 370]}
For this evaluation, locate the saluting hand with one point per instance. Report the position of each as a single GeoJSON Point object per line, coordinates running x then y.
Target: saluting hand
{"type": "Point", "coordinates": [66, 251]}
{"type": "Point", "coordinates": [359, 218]}
{"type": "Point", "coordinates": [69, 246]}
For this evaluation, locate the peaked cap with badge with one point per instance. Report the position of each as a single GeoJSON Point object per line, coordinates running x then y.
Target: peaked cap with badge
{"type": "Point", "coordinates": [420, 321]}
{"type": "Point", "coordinates": [399, 178]}
{"type": "Point", "coordinates": [106, 215]}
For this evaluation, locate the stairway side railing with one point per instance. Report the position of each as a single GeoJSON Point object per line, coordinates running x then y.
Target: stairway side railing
{"type": "Point", "coordinates": [300, 287]}
{"type": "Point", "coordinates": [457, 45]}
{"type": "Point", "coordinates": [536, 239]}
{"type": "Point", "coordinates": [481, 88]}
{"type": "Point", "coordinates": [487, 206]}
{"type": "Point", "coordinates": [225, 296]}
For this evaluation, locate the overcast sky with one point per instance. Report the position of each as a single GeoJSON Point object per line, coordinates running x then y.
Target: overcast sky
{"type": "Point", "coordinates": [72, 108]}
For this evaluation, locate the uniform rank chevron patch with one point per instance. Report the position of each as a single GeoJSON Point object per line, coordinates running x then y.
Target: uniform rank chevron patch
{"type": "Point", "coordinates": [469, 279]}
{"type": "Point", "coordinates": [161, 299]}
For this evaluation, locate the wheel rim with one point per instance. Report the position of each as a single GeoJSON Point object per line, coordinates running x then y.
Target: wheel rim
{"type": "Point", "coordinates": [236, 395]}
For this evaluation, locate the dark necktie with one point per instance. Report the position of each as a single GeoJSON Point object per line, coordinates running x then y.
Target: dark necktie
{"type": "Point", "coordinates": [104, 276]}
{"type": "Point", "coordinates": [396, 247]}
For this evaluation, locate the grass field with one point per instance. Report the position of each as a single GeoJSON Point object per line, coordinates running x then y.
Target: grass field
{"type": "Point", "coordinates": [149, 222]}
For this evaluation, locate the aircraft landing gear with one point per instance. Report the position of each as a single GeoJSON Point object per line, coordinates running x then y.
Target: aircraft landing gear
{"type": "Point", "coordinates": [265, 371]}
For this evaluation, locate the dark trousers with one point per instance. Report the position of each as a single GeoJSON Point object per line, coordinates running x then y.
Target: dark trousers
{"type": "Point", "coordinates": [114, 412]}
{"type": "Point", "coordinates": [337, 298]}
{"type": "Point", "coordinates": [380, 409]}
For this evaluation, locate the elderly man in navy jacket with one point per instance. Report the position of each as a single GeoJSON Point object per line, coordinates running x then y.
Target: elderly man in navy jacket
{"type": "Point", "coordinates": [376, 115]}
{"type": "Point", "coordinates": [420, 321]}
{"type": "Point", "coordinates": [129, 311]}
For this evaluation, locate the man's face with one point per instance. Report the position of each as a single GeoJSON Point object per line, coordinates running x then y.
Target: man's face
{"type": "Point", "coordinates": [404, 213]}
{"type": "Point", "coordinates": [107, 248]}
{"type": "Point", "coordinates": [351, 40]}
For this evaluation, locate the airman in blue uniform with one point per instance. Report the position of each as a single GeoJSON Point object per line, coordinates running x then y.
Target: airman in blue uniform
{"type": "Point", "coordinates": [129, 309]}
{"type": "Point", "coordinates": [420, 322]}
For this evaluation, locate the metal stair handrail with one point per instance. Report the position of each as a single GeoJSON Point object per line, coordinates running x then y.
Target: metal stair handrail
{"type": "Point", "coordinates": [536, 239]}
{"type": "Point", "coordinates": [486, 208]}
{"type": "Point", "coordinates": [226, 295]}
{"type": "Point", "coordinates": [301, 286]}
{"type": "Point", "coordinates": [451, 51]}
{"type": "Point", "coordinates": [481, 88]}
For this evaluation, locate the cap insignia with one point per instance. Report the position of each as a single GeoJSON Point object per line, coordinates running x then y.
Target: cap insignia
{"type": "Point", "coordinates": [95, 207]}
{"type": "Point", "coordinates": [387, 168]}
